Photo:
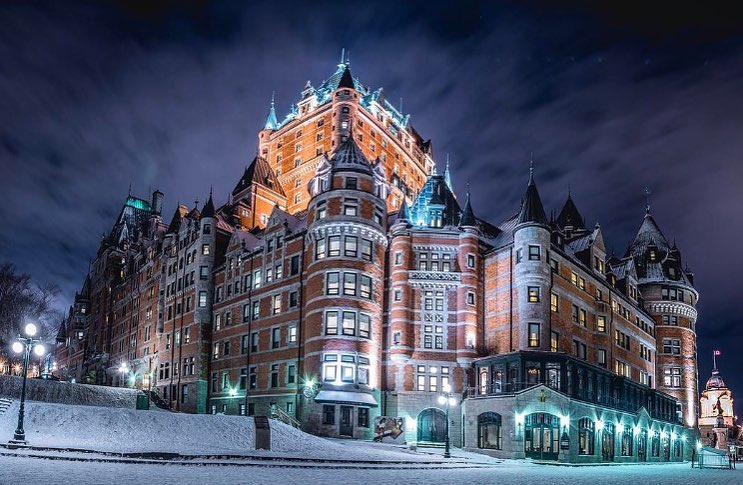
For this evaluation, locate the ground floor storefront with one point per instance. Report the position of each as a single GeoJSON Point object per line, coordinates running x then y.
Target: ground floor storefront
{"type": "Point", "coordinates": [544, 424]}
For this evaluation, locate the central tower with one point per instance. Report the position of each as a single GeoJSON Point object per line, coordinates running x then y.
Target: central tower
{"type": "Point", "coordinates": [323, 118]}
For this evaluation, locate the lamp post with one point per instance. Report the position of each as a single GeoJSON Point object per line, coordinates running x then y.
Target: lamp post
{"type": "Point", "coordinates": [25, 345]}
{"type": "Point", "coordinates": [447, 399]}
{"type": "Point", "coordinates": [124, 369]}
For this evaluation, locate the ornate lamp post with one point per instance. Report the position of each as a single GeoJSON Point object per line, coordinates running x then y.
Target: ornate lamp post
{"type": "Point", "coordinates": [447, 399]}
{"type": "Point", "coordinates": [25, 345]}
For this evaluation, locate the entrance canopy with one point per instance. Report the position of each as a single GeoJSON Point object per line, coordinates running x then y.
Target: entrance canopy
{"type": "Point", "coordinates": [346, 397]}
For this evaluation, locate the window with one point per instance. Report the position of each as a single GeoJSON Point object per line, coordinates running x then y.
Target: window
{"type": "Point", "coordinates": [294, 265]}
{"type": "Point", "coordinates": [350, 247]}
{"type": "Point", "coordinates": [352, 183]}
{"type": "Point", "coordinates": [555, 265]}
{"type": "Point", "coordinates": [365, 287]}
{"type": "Point", "coordinates": [350, 207]}
{"type": "Point", "coordinates": [534, 253]}
{"type": "Point", "coordinates": [670, 320]}
{"type": "Point", "coordinates": [519, 255]}
{"type": "Point", "coordinates": [470, 298]}
{"type": "Point", "coordinates": [398, 258]}
{"type": "Point", "coordinates": [328, 411]}
{"type": "Point", "coordinates": [293, 299]}
{"type": "Point", "coordinates": [256, 309]}
{"type": "Point", "coordinates": [366, 250]}
{"type": "Point", "coordinates": [320, 248]}
{"type": "Point", "coordinates": [622, 339]}
{"type": "Point", "coordinates": [364, 325]}
{"type": "Point", "coordinates": [579, 349]}
{"type": "Point", "coordinates": [275, 337]}
{"type": "Point", "coordinates": [322, 211]}
{"type": "Point", "coordinates": [622, 368]}
{"type": "Point", "coordinates": [257, 279]}
{"type": "Point", "coordinates": [671, 346]}
{"type": "Point", "coordinates": [202, 299]}
{"type": "Point", "coordinates": [253, 377]}
{"type": "Point", "coordinates": [398, 294]}
{"type": "Point", "coordinates": [533, 335]}
{"type": "Point", "coordinates": [489, 431]}
{"type": "Point", "coordinates": [334, 246]}
{"type": "Point", "coordinates": [291, 336]}
{"type": "Point", "coordinates": [226, 348]}
{"type": "Point", "coordinates": [554, 302]}
{"type": "Point", "coordinates": [332, 283]}
{"type": "Point", "coordinates": [586, 436]}
{"type": "Point", "coordinates": [554, 341]}
{"type": "Point", "coordinates": [578, 281]}
{"type": "Point", "coordinates": [470, 260]}
{"type": "Point", "coordinates": [331, 323]}
{"type": "Point", "coordinates": [203, 272]}
{"type": "Point", "coordinates": [601, 357]}
{"type": "Point", "coordinates": [601, 323]}
{"type": "Point", "coordinates": [205, 249]}
{"type": "Point", "coordinates": [349, 284]}
{"type": "Point", "coordinates": [278, 271]}
{"type": "Point", "coordinates": [349, 323]}
{"type": "Point", "coordinates": [363, 417]}
{"type": "Point", "coordinates": [533, 292]}
{"type": "Point", "coordinates": [291, 374]}
{"type": "Point", "coordinates": [274, 375]}
{"type": "Point", "coordinates": [276, 304]}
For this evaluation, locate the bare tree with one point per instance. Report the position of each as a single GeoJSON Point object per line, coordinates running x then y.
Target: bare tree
{"type": "Point", "coordinates": [22, 301]}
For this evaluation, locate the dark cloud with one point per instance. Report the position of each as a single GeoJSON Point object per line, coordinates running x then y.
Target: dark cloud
{"type": "Point", "coordinates": [170, 95]}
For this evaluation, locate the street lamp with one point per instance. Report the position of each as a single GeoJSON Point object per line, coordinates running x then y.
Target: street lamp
{"type": "Point", "coordinates": [124, 369]}
{"type": "Point", "coordinates": [447, 399]}
{"type": "Point", "coordinates": [25, 345]}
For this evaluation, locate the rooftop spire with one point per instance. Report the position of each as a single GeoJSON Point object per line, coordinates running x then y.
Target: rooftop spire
{"type": "Point", "coordinates": [272, 122]}
{"type": "Point", "coordinates": [532, 209]}
{"type": "Point", "coordinates": [647, 200]}
{"type": "Point", "coordinates": [447, 174]}
{"type": "Point", "coordinates": [467, 218]}
{"type": "Point", "coordinates": [208, 210]}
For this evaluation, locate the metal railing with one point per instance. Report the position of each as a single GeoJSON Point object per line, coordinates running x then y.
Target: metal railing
{"type": "Point", "coordinates": [283, 416]}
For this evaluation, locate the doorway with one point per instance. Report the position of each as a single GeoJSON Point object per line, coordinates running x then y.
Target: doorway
{"type": "Point", "coordinates": [432, 426]}
{"type": "Point", "coordinates": [346, 428]}
{"type": "Point", "coordinates": [541, 436]}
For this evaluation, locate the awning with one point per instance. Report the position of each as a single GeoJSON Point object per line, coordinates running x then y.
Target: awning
{"type": "Point", "coordinates": [347, 397]}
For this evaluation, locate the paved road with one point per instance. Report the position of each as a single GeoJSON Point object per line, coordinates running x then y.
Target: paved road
{"type": "Point", "coordinates": [45, 471]}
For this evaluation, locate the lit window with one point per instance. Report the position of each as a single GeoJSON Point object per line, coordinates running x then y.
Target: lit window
{"type": "Point", "coordinates": [533, 335]}
{"type": "Point", "coordinates": [533, 294]}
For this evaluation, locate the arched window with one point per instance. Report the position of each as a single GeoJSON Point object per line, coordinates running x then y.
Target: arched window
{"type": "Point", "coordinates": [655, 445]}
{"type": "Point", "coordinates": [586, 436]}
{"type": "Point", "coordinates": [489, 431]}
{"type": "Point", "coordinates": [627, 440]}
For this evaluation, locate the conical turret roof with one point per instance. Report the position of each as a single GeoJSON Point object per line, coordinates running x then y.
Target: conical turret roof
{"type": "Point", "coordinates": [532, 209]}
{"type": "Point", "coordinates": [570, 216]}
{"type": "Point", "coordinates": [468, 218]}
{"type": "Point", "coordinates": [350, 157]}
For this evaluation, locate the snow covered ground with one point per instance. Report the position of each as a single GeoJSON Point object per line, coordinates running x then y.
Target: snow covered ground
{"type": "Point", "coordinates": [68, 393]}
{"type": "Point", "coordinates": [127, 430]}
{"type": "Point", "coordinates": [43, 471]}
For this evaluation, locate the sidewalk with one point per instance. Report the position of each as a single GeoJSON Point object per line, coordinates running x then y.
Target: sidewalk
{"type": "Point", "coordinates": [259, 458]}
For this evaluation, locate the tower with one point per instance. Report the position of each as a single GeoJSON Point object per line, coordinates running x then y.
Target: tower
{"type": "Point", "coordinates": [345, 251]}
{"type": "Point", "coordinates": [670, 298]}
{"type": "Point", "coordinates": [531, 242]}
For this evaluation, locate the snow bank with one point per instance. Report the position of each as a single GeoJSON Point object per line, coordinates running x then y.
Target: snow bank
{"type": "Point", "coordinates": [128, 430]}
{"type": "Point", "coordinates": [68, 393]}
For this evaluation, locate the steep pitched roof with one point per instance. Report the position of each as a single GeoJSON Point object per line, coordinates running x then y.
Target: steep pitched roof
{"type": "Point", "coordinates": [175, 223]}
{"type": "Point", "coordinates": [664, 264]}
{"type": "Point", "coordinates": [259, 172]}
{"type": "Point", "coordinates": [467, 218]}
{"type": "Point", "coordinates": [346, 80]}
{"type": "Point", "coordinates": [649, 234]}
{"type": "Point", "coordinates": [435, 192]}
{"type": "Point", "coordinates": [349, 157]}
{"type": "Point", "coordinates": [570, 216]}
{"type": "Point", "coordinates": [532, 209]}
{"type": "Point", "coordinates": [208, 210]}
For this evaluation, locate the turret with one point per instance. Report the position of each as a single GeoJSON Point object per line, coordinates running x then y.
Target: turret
{"type": "Point", "coordinates": [531, 243]}
{"type": "Point", "coordinates": [345, 251]}
{"type": "Point", "coordinates": [669, 296]}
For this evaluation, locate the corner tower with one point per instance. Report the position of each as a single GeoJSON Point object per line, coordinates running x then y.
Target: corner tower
{"type": "Point", "coordinates": [670, 298]}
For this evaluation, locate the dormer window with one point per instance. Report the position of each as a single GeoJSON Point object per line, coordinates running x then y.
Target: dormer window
{"type": "Point", "coordinates": [652, 256]}
{"type": "Point", "coordinates": [345, 110]}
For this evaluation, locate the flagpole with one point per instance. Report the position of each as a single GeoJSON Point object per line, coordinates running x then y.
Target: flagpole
{"type": "Point", "coordinates": [714, 360]}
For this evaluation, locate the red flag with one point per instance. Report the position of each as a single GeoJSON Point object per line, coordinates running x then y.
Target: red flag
{"type": "Point", "coordinates": [717, 352]}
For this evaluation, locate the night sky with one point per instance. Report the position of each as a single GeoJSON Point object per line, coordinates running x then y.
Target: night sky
{"type": "Point", "coordinates": [97, 96]}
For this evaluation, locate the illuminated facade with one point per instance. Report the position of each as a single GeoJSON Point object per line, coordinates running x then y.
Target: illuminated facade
{"type": "Point", "coordinates": [345, 280]}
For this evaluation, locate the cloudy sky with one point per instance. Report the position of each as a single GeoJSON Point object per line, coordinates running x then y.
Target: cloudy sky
{"type": "Point", "coordinates": [170, 95]}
